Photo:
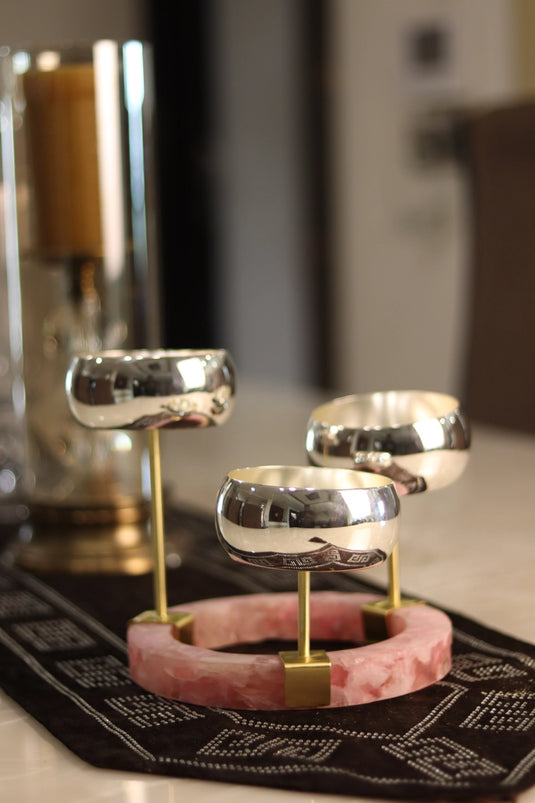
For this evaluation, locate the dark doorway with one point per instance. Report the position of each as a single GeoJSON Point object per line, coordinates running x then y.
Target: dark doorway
{"type": "Point", "coordinates": [182, 32]}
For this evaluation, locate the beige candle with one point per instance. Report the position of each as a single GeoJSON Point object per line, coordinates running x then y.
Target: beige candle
{"type": "Point", "coordinates": [62, 139]}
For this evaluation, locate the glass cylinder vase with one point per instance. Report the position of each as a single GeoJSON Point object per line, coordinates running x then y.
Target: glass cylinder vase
{"type": "Point", "coordinates": [80, 230]}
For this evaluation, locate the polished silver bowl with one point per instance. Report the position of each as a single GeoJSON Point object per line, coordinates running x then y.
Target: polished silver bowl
{"type": "Point", "coordinates": [307, 519]}
{"type": "Point", "coordinates": [419, 439]}
{"type": "Point", "coordinates": [151, 389]}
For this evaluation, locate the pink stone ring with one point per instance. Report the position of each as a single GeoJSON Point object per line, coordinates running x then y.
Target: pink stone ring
{"type": "Point", "coordinates": [307, 519]}
{"type": "Point", "coordinates": [416, 654]}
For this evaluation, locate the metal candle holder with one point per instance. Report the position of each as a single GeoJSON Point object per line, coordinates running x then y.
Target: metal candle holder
{"type": "Point", "coordinates": [301, 519]}
{"type": "Point", "coordinates": [291, 518]}
{"type": "Point", "coordinates": [152, 390]}
{"type": "Point", "coordinates": [419, 439]}
{"type": "Point", "coordinates": [307, 519]}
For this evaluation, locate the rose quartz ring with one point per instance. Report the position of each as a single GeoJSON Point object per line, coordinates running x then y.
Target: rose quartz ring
{"type": "Point", "coordinates": [416, 654]}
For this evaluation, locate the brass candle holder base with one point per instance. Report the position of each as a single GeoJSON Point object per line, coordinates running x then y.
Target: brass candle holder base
{"type": "Point", "coordinates": [111, 549]}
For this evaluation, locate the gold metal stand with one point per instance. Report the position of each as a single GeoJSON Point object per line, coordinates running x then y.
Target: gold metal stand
{"type": "Point", "coordinates": [394, 590]}
{"type": "Point", "coordinates": [157, 521]}
{"type": "Point", "coordinates": [307, 674]}
{"type": "Point", "coordinates": [374, 614]}
{"type": "Point", "coordinates": [182, 622]}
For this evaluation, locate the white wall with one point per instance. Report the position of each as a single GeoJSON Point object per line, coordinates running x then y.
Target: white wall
{"type": "Point", "coordinates": [399, 266]}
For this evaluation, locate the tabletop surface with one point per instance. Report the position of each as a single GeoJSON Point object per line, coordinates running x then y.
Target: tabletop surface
{"type": "Point", "coordinates": [468, 547]}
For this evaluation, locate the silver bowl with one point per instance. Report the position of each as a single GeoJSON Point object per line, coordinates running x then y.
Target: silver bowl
{"type": "Point", "coordinates": [419, 439]}
{"type": "Point", "coordinates": [307, 519]}
{"type": "Point", "coordinates": [151, 389]}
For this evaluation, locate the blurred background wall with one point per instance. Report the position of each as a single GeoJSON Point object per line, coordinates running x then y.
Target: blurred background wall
{"type": "Point", "coordinates": [404, 76]}
{"type": "Point", "coordinates": [314, 211]}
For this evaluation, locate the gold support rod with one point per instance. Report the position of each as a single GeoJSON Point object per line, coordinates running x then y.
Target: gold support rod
{"type": "Point", "coordinates": [303, 632]}
{"type": "Point", "coordinates": [394, 592]}
{"type": "Point", "coordinates": [158, 543]}
{"type": "Point", "coordinates": [307, 674]}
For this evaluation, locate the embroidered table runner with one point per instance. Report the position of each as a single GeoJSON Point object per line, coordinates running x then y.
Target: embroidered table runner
{"type": "Point", "coordinates": [63, 659]}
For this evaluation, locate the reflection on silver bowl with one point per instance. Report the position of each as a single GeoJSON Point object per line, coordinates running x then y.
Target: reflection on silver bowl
{"type": "Point", "coordinates": [307, 519]}
{"type": "Point", "coordinates": [419, 439]}
{"type": "Point", "coordinates": [151, 389]}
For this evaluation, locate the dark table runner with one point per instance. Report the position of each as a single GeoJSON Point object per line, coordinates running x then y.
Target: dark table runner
{"type": "Point", "coordinates": [63, 659]}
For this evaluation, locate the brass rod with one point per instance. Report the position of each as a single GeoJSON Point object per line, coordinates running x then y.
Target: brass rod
{"type": "Point", "coordinates": [394, 592]}
{"type": "Point", "coordinates": [158, 542]}
{"type": "Point", "coordinates": [303, 633]}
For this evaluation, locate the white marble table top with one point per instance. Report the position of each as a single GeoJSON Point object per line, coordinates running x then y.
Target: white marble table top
{"type": "Point", "coordinates": [469, 547]}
